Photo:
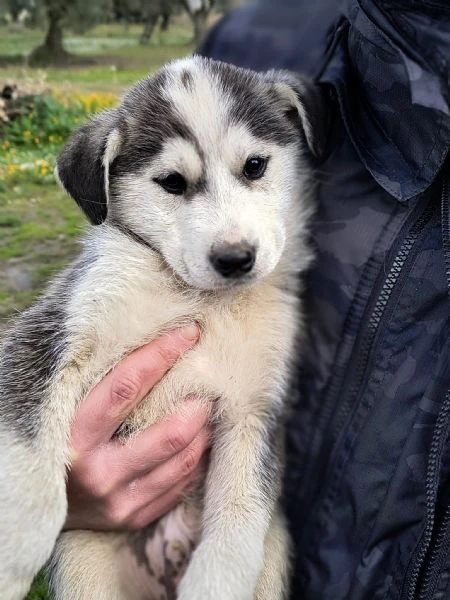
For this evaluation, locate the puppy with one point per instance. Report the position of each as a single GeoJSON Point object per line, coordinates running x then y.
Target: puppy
{"type": "Point", "coordinates": [199, 185]}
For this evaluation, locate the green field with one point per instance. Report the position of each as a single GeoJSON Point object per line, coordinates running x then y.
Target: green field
{"type": "Point", "coordinates": [113, 54]}
{"type": "Point", "coordinates": [39, 225]}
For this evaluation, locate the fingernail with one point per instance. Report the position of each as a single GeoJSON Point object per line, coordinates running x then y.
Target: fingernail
{"type": "Point", "coordinates": [190, 332]}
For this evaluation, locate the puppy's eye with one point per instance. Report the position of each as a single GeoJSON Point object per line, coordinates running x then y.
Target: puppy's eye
{"type": "Point", "coordinates": [255, 167]}
{"type": "Point", "coordinates": [173, 183]}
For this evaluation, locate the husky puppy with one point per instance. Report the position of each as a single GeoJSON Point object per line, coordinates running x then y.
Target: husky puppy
{"type": "Point", "coordinates": [199, 186]}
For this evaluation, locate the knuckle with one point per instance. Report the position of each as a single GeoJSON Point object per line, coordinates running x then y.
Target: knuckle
{"type": "Point", "coordinates": [88, 479]}
{"type": "Point", "coordinates": [175, 442]}
{"type": "Point", "coordinates": [167, 353]}
{"type": "Point", "coordinates": [125, 388]}
{"type": "Point", "coordinates": [98, 488]}
{"type": "Point", "coordinates": [117, 514]}
{"type": "Point", "coordinates": [96, 480]}
{"type": "Point", "coordinates": [135, 492]}
{"type": "Point", "coordinates": [189, 461]}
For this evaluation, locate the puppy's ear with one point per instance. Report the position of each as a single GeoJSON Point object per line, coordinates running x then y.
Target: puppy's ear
{"type": "Point", "coordinates": [305, 102]}
{"type": "Point", "coordinates": [83, 165]}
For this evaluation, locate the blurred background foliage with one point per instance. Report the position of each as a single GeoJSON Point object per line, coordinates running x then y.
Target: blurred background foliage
{"type": "Point", "coordinates": [60, 62]}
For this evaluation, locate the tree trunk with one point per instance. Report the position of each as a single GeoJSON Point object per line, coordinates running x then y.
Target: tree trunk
{"type": "Point", "coordinates": [54, 39]}
{"type": "Point", "coordinates": [52, 51]}
{"type": "Point", "coordinates": [165, 22]}
{"type": "Point", "coordinates": [148, 29]}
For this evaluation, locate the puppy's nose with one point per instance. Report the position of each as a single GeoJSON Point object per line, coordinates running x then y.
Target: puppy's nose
{"type": "Point", "coordinates": [233, 260]}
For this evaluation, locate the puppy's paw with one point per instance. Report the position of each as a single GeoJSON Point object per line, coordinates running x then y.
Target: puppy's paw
{"type": "Point", "coordinates": [214, 575]}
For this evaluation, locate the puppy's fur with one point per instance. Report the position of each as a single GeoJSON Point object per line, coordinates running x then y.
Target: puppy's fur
{"type": "Point", "coordinates": [144, 270]}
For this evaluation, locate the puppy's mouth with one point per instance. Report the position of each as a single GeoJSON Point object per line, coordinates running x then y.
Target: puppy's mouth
{"type": "Point", "coordinates": [228, 284]}
{"type": "Point", "coordinates": [211, 281]}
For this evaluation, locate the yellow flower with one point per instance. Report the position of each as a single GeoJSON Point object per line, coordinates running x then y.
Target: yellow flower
{"type": "Point", "coordinates": [27, 134]}
{"type": "Point", "coordinates": [37, 141]}
{"type": "Point", "coordinates": [11, 169]}
{"type": "Point", "coordinates": [6, 144]}
{"type": "Point", "coordinates": [94, 102]}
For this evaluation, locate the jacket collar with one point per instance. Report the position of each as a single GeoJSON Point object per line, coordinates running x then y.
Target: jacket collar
{"type": "Point", "coordinates": [389, 64]}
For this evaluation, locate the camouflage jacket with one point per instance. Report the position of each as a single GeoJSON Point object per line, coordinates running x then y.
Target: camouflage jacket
{"type": "Point", "coordinates": [368, 486]}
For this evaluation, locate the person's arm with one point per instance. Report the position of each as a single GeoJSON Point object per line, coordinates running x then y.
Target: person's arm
{"type": "Point", "coordinates": [112, 485]}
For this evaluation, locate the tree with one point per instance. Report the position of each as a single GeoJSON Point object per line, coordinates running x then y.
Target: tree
{"type": "Point", "coordinates": [151, 11]}
{"type": "Point", "coordinates": [52, 49]}
{"type": "Point", "coordinates": [59, 13]}
{"type": "Point", "coordinates": [199, 11]}
{"type": "Point", "coordinates": [127, 11]}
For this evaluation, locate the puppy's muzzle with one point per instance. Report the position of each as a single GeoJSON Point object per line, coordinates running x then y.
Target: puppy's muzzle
{"type": "Point", "coordinates": [233, 260]}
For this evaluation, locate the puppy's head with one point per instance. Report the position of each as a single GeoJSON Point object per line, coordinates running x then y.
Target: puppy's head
{"type": "Point", "coordinates": [205, 162]}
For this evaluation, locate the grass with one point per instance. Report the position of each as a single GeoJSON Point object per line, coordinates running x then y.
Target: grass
{"type": "Point", "coordinates": [117, 58]}
{"type": "Point", "coordinates": [39, 225]}
{"type": "Point", "coordinates": [39, 228]}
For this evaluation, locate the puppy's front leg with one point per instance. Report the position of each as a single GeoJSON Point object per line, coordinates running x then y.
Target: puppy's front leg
{"type": "Point", "coordinates": [34, 431]}
{"type": "Point", "coordinates": [240, 496]}
{"type": "Point", "coordinates": [32, 507]}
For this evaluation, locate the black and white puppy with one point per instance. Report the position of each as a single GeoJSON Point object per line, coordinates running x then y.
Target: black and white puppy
{"type": "Point", "coordinates": [199, 184]}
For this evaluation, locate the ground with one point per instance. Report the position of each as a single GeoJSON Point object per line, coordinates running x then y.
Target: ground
{"type": "Point", "coordinates": [39, 225]}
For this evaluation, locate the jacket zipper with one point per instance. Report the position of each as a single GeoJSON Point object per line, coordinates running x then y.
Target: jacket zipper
{"type": "Point", "coordinates": [373, 315]}
{"type": "Point", "coordinates": [436, 537]}
{"type": "Point", "coordinates": [439, 551]}
{"type": "Point", "coordinates": [431, 539]}
{"type": "Point", "coordinates": [376, 317]}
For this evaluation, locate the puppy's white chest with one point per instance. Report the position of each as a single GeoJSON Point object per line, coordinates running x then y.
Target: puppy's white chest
{"type": "Point", "coordinates": [240, 357]}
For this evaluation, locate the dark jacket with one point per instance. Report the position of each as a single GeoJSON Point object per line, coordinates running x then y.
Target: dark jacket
{"type": "Point", "coordinates": [368, 487]}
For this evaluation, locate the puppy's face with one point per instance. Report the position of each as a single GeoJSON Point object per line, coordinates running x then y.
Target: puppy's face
{"type": "Point", "coordinates": [205, 162]}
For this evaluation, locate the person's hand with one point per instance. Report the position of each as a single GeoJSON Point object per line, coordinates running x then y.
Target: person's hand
{"type": "Point", "coordinates": [112, 485]}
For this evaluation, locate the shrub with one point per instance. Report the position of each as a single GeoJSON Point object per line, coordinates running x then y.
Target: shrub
{"type": "Point", "coordinates": [30, 142]}
{"type": "Point", "coordinates": [53, 118]}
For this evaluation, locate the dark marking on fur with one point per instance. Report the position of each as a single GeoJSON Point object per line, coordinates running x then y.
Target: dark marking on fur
{"type": "Point", "coordinates": [33, 350]}
{"type": "Point", "coordinates": [140, 240]}
{"type": "Point", "coordinates": [315, 101]}
{"type": "Point", "coordinates": [168, 579]}
{"type": "Point", "coordinates": [199, 187]}
{"type": "Point", "coordinates": [137, 543]}
{"type": "Point", "coordinates": [148, 121]}
{"type": "Point", "coordinates": [172, 568]}
{"type": "Point", "coordinates": [28, 359]}
{"type": "Point", "coordinates": [80, 165]}
{"type": "Point", "coordinates": [259, 105]}
{"type": "Point", "coordinates": [187, 80]}
{"type": "Point", "coordinates": [253, 104]}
